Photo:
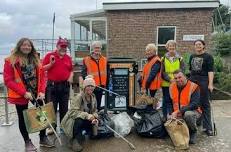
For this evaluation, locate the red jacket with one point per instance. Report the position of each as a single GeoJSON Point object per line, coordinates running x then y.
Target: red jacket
{"type": "Point", "coordinates": [10, 82]}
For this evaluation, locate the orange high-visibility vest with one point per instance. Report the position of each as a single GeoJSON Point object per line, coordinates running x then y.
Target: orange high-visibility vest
{"type": "Point", "coordinates": [156, 83]}
{"type": "Point", "coordinates": [11, 93]}
{"type": "Point", "coordinates": [97, 70]}
{"type": "Point", "coordinates": [184, 96]}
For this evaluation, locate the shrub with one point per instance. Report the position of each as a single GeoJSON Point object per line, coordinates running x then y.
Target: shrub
{"type": "Point", "coordinates": [222, 43]}
{"type": "Point", "coordinates": [186, 57]}
{"type": "Point", "coordinates": [218, 63]}
{"type": "Point", "coordinates": [223, 81]}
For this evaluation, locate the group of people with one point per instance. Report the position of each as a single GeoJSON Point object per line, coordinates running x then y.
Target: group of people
{"type": "Point", "coordinates": [30, 80]}
{"type": "Point", "coordinates": [184, 97]}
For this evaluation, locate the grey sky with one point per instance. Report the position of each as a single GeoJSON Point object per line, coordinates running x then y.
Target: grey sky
{"type": "Point", "coordinates": [33, 18]}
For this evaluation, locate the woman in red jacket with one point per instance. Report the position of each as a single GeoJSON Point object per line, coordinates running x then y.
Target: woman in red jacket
{"type": "Point", "coordinates": [24, 79]}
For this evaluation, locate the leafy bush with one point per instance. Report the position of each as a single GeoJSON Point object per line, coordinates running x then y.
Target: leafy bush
{"type": "Point", "coordinates": [223, 81]}
{"type": "Point", "coordinates": [222, 43]}
{"type": "Point", "coordinates": [186, 57]}
{"type": "Point", "coordinates": [218, 63]}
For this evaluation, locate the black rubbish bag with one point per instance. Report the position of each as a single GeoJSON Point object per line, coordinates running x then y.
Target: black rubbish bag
{"type": "Point", "coordinates": [150, 123]}
{"type": "Point", "coordinates": [103, 131]}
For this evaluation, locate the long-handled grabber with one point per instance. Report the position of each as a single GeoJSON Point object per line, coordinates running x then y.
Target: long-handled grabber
{"type": "Point", "coordinates": [212, 115]}
{"type": "Point", "coordinates": [129, 143]}
{"type": "Point", "coordinates": [108, 91]}
{"type": "Point", "coordinates": [47, 119]}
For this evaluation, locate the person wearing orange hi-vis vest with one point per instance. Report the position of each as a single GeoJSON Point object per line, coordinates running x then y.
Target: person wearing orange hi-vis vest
{"type": "Point", "coordinates": [151, 75]}
{"type": "Point", "coordinates": [95, 64]}
{"type": "Point", "coordinates": [24, 78]}
{"type": "Point", "coordinates": [185, 96]}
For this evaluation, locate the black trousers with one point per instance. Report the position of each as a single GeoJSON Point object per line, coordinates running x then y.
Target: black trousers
{"type": "Point", "coordinates": [58, 93]}
{"type": "Point", "coordinates": [98, 94]}
{"type": "Point", "coordinates": [204, 100]}
{"type": "Point", "coordinates": [167, 107]}
{"type": "Point", "coordinates": [81, 125]}
{"type": "Point", "coordinates": [152, 93]}
{"type": "Point", "coordinates": [21, 123]}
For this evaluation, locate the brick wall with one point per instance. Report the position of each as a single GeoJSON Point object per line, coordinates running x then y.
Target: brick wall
{"type": "Point", "coordinates": [129, 31]}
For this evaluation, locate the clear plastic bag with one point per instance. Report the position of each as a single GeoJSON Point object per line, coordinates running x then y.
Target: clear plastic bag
{"type": "Point", "coordinates": [123, 124]}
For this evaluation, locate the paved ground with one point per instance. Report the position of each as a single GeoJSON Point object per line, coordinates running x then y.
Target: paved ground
{"type": "Point", "coordinates": [11, 140]}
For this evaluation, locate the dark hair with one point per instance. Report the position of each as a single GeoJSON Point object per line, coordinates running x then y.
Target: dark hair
{"type": "Point", "coordinates": [32, 56]}
{"type": "Point", "coordinates": [178, 71]}
{"type": "Point", "coordinates": [203, 42]}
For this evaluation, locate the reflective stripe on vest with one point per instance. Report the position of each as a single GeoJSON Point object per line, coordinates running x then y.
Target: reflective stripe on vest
{"type": "Point", "coordinates": [98, 70]}
{"type": "Point", "coordinates": [170, 67]}
{"type": "Point", "coordinates": [156, 83]}
{"type": "Point", "coordinates": [184, 96]}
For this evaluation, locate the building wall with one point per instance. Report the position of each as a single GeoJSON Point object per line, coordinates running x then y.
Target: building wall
{"type": "Point", "coordinates": [129, 31]}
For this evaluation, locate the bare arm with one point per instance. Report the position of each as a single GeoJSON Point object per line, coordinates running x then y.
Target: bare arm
{"type": "Point", "coordinates": [211, 76]}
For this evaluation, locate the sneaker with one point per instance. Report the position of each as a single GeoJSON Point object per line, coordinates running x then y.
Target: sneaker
{"type": "Point", "coordinates": [50, 131]}
{"type": "Point", "coordinates": [192, 139]}
{"type": "Point", "coordinates": [76, 146]}
{"type": "Point", "coordinates": [29, 146]}
{"type": "Point", "coordinates": [45, 142]}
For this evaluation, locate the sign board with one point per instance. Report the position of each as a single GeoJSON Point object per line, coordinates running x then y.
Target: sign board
{"type": "Point", "coordinates": [121, 81]}
{"type": "Point", "coordinates": [193, 37]}
{"type": "Point", "coordinates": [118, 83]}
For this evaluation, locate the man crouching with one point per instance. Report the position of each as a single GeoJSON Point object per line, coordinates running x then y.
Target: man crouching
{"type": "Point", "coordinates": [82, 116]}
{"type": "Point", "coordinates": [185, 96]}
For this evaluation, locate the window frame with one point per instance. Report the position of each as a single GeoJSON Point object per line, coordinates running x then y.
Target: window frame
{"type": "Point", "coordinates": [157, 35]}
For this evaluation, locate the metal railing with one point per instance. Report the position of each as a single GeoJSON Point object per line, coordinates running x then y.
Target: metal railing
{"type": "Point", "coordinates": [6, 122]}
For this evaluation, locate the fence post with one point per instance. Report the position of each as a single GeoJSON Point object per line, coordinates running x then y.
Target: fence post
{"type": "Point", "coordinates": [7, 122]}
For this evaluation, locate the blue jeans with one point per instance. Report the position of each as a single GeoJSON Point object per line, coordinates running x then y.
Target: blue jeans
{"type": "Point", "coordinates": [167, 107]}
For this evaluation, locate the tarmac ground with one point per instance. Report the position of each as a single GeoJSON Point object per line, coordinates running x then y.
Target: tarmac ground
{"type": "Point", "coordinates": [12, 141]}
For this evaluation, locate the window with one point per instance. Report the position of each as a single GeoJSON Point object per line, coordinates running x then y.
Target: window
{"type": "Point", "coordinates": [98, 30]}
{"type": "Point", "coordinates": [86, 30]}
{"type": "Point", "coordinates": [82, 30]}
{"type": "Point", "coordinates": [164, 33]}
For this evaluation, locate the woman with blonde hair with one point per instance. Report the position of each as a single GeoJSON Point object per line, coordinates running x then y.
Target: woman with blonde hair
{"type": "Point", "coordinates": [171, 62]}
{"type": "Point", "coordinates": [24, 79]}
{"type": "Point", "coordinates": [151, 77]}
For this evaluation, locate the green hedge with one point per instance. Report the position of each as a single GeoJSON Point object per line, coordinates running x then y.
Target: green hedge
{"type": "Point", "coordinates": [222, 43]}
{"type": "Point", "coordinates": [223, 81]}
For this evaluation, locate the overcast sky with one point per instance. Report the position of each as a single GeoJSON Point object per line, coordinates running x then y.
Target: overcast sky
{"type": "Point", "coordinates": [33, 18]}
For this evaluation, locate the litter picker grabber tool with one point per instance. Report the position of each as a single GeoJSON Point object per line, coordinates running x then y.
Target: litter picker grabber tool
{"type": "Point", "coordinates": [105, 113]}
{"type": "Point", "coordinates": [44, 115]}
{"type": "Point", "coordinates": [129, 143]}
{"type": "Point", "coordinates": [108, 91]}
{"type": "Point", "coordinates": [212, 115]}
{"type": "Point", "coordinates": [120, 97]}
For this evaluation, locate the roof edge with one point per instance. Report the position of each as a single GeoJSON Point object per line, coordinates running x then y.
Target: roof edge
{"type": "Point", "coordinates": [160, 5]}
